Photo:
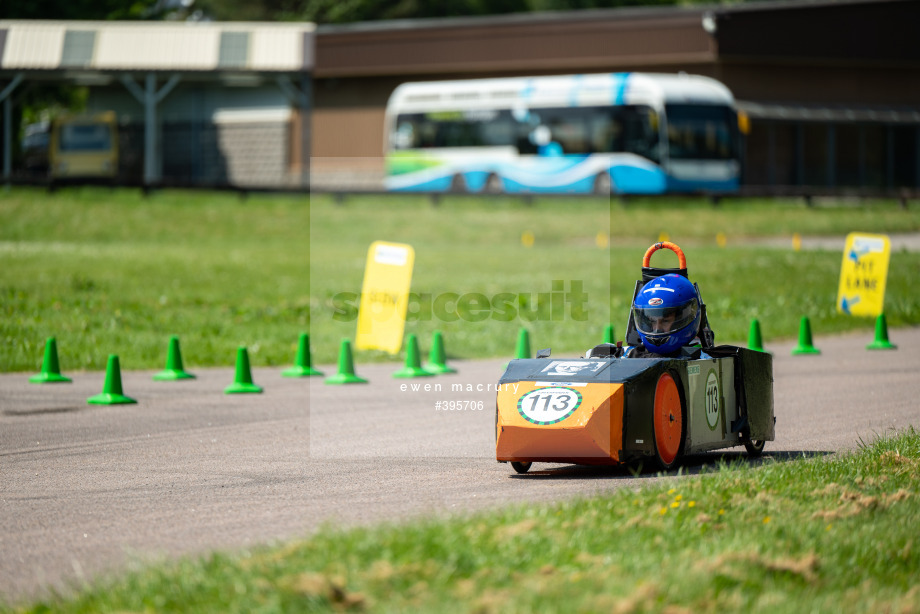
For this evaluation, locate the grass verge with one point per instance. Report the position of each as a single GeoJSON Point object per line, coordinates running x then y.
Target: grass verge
{"type": "Point", "coordinates": [111, 271]}
{"type": "Point", "coordinates": [813, 535]}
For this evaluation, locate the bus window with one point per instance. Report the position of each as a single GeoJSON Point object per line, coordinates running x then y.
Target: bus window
{"type": "Point", "coordinates": [583, 130]}
{"type": "Point", "coordinates": [454, 129]}
{"type": "Point", "coordinates": [606, 132]}
{"type": "Point", "coordinates": [640, 131]}
{"type": "Point", "coordinates": [700, 132]}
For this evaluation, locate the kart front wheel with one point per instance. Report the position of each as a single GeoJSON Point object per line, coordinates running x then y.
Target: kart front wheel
{"type": "Point", "coordinates": [521, 467]}
{"type": "Point", "coordinates": [668, 422]}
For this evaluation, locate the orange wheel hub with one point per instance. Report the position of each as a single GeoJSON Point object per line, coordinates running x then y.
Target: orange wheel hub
{"type": "Point", "coordinates": [668, 419]}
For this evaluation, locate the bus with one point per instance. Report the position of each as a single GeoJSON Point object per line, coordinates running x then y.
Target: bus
{"type": "Point", "coordinates": [615, 133]}
{"type": "Point", "coordinates": [84, 147]}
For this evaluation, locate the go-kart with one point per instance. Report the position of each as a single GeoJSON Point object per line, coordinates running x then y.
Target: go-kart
{"type": "Point", "coordinates": [609, 409]}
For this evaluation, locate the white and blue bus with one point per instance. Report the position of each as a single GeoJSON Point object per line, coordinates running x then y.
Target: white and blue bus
{"type": "Point", "coordinates": [621, 133]}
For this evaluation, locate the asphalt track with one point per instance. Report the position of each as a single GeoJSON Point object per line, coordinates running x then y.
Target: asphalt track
{"type": "Point", "coordinates": [88, 489]}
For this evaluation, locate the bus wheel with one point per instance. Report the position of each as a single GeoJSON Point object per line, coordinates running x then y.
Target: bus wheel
{"type": "Point", "coordinates": [602, 184]}
{"type": "Point", "coordinates": [493, 185]}
{"type": "Point", "coordinates": [458, 184]}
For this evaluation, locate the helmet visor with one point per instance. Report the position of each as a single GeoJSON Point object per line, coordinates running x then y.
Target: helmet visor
{"type": "Point", "coordinates": [665, 320]}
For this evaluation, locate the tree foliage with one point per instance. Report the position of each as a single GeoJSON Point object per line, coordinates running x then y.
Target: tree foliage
{"type": "Point", "coordinates": [73, 9]}
{"type": "Point", "coordinates": [319, 11]}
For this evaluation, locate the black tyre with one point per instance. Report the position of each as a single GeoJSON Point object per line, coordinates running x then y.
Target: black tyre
{"type": "Point", "coordinates": [754, 448]}
{"type": "Point", "coordinates": [458, 184]}
{"type": "Point", "coordinates": [521, 467]}
{"type": "Point", "coordinates": [603, 186]}
{"type": "Point", "coordinates": [493, 185]}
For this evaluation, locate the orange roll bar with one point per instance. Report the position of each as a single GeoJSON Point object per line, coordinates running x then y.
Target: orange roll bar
{"type": "Point", "coordinates": [681, 259]}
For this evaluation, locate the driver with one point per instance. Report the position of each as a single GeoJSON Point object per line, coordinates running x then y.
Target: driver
{"type": "Point", "coordinates": [667, 315]}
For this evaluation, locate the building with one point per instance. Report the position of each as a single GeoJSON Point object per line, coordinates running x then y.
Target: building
{"type": "Point", "coordinates": [832, 88]}
{"type": "Point", "coordinates": [197, 103]}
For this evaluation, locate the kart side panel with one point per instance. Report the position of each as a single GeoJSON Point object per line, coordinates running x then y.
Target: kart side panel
{"type": "Point", "coordinates": [757, 373]}
{"type": "Point", "coordinates": [639, 428]}
{"type": "Point", "coordinates": [711, 404]}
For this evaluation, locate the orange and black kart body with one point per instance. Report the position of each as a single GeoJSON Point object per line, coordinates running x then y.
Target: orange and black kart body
{"type": "Point", "coordinates": [607, 409]}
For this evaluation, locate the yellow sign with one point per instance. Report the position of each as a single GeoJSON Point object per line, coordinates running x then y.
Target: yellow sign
{"type": "Point", "coordinates": [385, 296]}
{"type": "Point", "coordinates": [863, 275]}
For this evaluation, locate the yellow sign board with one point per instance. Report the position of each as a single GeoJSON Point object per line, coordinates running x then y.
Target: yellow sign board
{"type": "Point", "coordinates": [863, 275]}
{"type": "Point", "coordinates": [385, 296]}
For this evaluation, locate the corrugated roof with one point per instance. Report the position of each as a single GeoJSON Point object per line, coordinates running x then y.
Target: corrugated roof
{"type": "Point", "coordinates": [161, 46]}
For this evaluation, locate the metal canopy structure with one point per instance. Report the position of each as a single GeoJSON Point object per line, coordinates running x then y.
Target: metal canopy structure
{"type": "Point", "coordinates": [158, 54]}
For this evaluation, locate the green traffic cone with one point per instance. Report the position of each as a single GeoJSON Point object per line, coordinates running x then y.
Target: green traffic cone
{"type": "Point", "coordinates": [303, 362]}
{"type": "Point", "coordinates": [51, 370]}
{"type": "Point", "coordinates": [755, 342]}
{"type": "Point", "coordinates": [112, 393]}
{"type": "Point", "coordinates": [609, 334]}
{"type": "Point", "coordinates": [242, 382]}
{"type": "Point", "coordinates": [805, 345]}
{"type": "Point", "coordinates": [174, 369]}
{"type": "Point", "coordinates": [523, 344]}
{"type": "Point", "coordinates": [881, 335]}
{"type": "Point", "coordinates": [346, 372]}
{"type": "Point", "coordinates": [413, 366]}
{"type": "Point", "coordinates": [438, 357]}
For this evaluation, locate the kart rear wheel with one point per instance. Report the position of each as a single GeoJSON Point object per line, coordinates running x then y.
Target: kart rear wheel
{"type": "Point", "coordinates": [668, 418]}
{"type": "Point", "coordinates": [521, 467]}
{"type": "Point", "coordinates": [754, 448]}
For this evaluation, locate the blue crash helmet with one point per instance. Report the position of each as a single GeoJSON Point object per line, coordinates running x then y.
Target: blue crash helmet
{"type": "Point", "coordinates": [666, 312]}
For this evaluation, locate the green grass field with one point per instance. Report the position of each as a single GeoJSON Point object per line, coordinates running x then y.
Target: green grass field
{"type": "Point", "coordinates": [811, 535]}
{"type": "Point", "coordinates": [111, 271]}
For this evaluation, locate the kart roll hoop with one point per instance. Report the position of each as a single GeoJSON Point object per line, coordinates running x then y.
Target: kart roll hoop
{"type": "Point", "coordinates": [704, 333]}
{"type": "Point", "coordinates": [649, 272]}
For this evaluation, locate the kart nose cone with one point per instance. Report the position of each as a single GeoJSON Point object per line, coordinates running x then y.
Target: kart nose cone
{"type": "Point", "coordinates": [560, 423]}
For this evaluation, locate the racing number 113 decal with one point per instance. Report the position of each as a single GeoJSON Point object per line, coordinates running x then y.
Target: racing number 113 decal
{"type": "Point", "coordinates": [712, 400]}
{"type": "Point", "coordinates": [548, 405]}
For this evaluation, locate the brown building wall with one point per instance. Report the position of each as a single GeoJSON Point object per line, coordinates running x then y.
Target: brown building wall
{"type": "Point", "coordinates": [821, 83]}
{"type": "Point", "coordinates": [578, 42]}
{"type": "Point", "coordinates": [347, 130]}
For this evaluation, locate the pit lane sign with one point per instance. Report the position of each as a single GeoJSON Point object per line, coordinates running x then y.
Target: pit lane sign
{"type": "Point", "coordinates": [863, 275]}
{"type": "Point", "coordinates": [385, 296]}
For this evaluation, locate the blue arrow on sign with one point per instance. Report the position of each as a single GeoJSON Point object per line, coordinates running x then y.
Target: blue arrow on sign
{"type": "Point", "coordinates": [854, 255]}
{"type": "Point", "coordinates": [845, 303]}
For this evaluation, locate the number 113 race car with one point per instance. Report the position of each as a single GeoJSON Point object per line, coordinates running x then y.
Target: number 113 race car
{"type": "Point", "coordinates": [670, 393]}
